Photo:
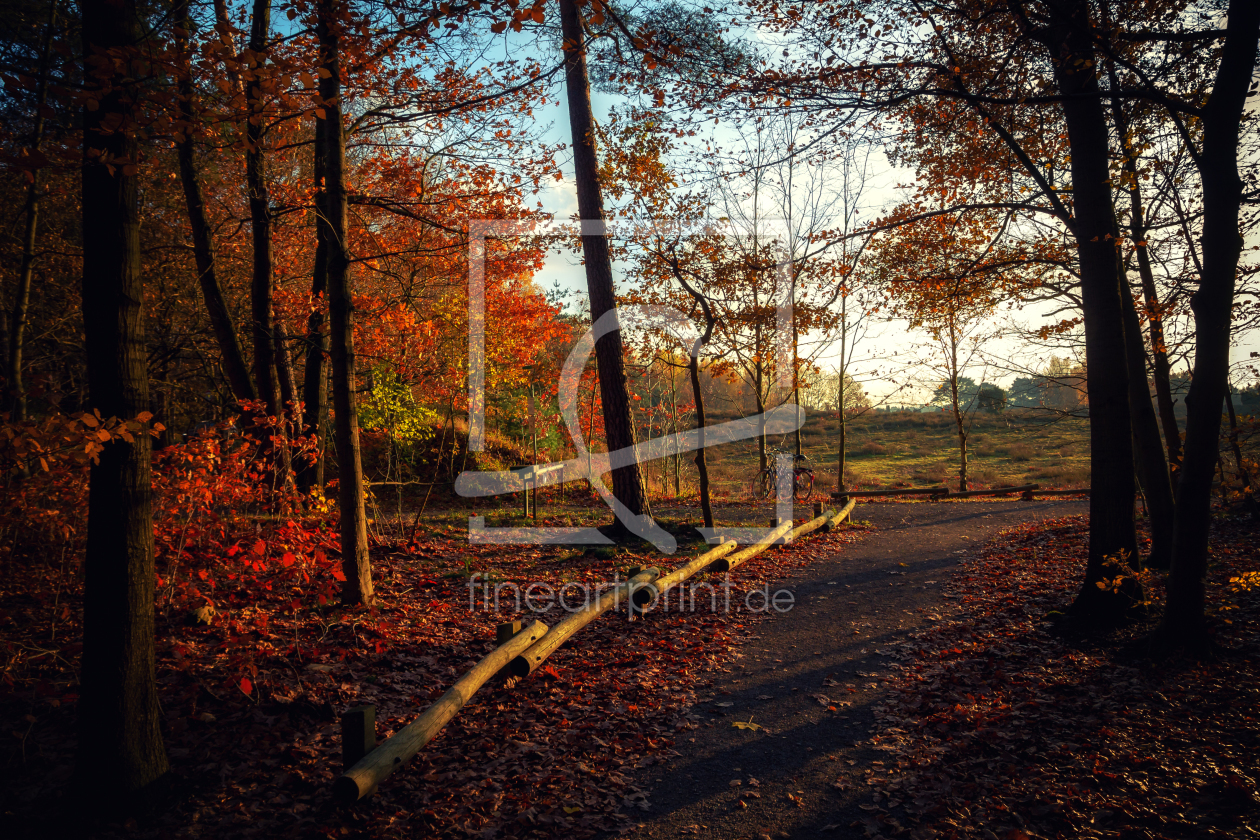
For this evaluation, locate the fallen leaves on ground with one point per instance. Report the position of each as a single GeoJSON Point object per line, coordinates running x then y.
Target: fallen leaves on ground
{"type": "Point", "coordinates": [1001, 725]}
{"type": "Point", "coordinates": [251, 699]}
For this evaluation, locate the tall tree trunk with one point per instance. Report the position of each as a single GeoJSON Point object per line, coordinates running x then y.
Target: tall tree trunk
{"type": "Point", "coordinates": [1112, 531]}
{"type": "Point", "coordinates": [840, 457]}
{"type": "Point", "coordinates": [844, 336]}
{"type": "Point", "coordinates": [710, 321]}
{"type": "Point", "coordinates": [1249, 496]}
{"type": "Point", "coordinates": [120, 739]}
{"type": "Point", "coordinates": [1184, 620]}
{"type": "Point", "coordinates": [314, 373]}
{"type": "Point", "coordinates": [284, 368]}
{"type": "Point", "coordinates": [763, 448]}
{"type": "Point", "coordinates": [677, 459]}
{"type": "Point", "coordinates": [26, 270]}
{"type": "Point", "coordinates": [203, 244]}
{"type": "Point", "coordinates": [355, 565]}
{"type": "Point", "coordinates": [260, 214]}
{"type": "Point", "coordinates": [702, 463]}
{"type": "Point", "coordinates": [1161, 369]}
{"type": "Point", "coordinates": [627, 481]}
{"type": "Point", "coordinates": [1148, 450]}
{"type": "Point", "coordinates": [960, 428]}
{"type": "Point", "coordinates": [1154, 315]}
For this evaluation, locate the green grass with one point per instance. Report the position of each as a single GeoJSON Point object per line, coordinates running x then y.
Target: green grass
{"type": "Point", "coordinates": [907, 449]}
{"type": "Point", "coordinates": [899, 449]}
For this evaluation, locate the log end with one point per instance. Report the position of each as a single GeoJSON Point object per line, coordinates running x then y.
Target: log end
{"type": "Point", "coordinates": [347, 790]}
{"type": "Point", "coordinates": [519, 667]}
{"type": "Point", "coordinates": [644, 595]}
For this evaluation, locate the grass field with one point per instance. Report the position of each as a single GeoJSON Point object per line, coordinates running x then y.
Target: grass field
{"type": "Point", "coordinates": [908, 449]}
{"type": "Point", "coordinates": [886, 450]}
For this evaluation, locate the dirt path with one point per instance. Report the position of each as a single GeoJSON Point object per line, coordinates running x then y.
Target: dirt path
{"type": "Point", "coordinates": [850, 609]}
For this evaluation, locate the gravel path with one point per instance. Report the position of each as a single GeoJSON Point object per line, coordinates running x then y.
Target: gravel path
{"type": "Point", "coordinates": [851, 608]}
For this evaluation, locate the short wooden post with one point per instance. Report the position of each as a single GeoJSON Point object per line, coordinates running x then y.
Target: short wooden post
{"type": "Point", "coordinates": [817, 509]}
{"type": "Point", "coordinates": [777, 521]}
{"type": "Point", "coordinates": [504, 632]}
{"type": "Point", "coordinates": [358, 735]}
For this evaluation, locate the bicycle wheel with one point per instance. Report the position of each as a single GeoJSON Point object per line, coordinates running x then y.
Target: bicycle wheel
{"type": "Point", "coordinates": [803, 485]}
{"type": "Point", "coordinates": [763, 484]}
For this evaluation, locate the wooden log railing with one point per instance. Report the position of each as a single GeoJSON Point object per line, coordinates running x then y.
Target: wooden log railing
{"type": "Point", "coordinates": [1027, 492]}
{"type": "Point", "coordinates": [528, 660]}
{"type": "Point", "coordinates": [996, 491]}
{"type": "Point", "coordinates": [1081, 491]}
{"type": "Point", "coordinates": [361, 779]}
{"type": "Point", "coordinates": [841, 516]}
{"type": "Point", "coordinates": [521, 654]}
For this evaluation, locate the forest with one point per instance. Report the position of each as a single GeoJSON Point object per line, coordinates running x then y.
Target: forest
{"type": "Point", "coordinates": [342, 341]}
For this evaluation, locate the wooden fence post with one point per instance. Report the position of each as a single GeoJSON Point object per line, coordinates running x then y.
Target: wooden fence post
{"type": "Point", "coordinates": [358, 734]}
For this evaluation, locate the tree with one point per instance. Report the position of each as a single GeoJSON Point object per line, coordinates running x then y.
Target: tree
{"type": "Point", "coordinates": [120, 740]}
{"type": "Point", "coordinates": [991, 398]}
{"type": "Point", "coordinates": [1184, 620]}
{"type": "Point", "coordinates": [618, 424]}
{"type": "Point", "coordinates": [945, 275]}
{"type": "Point", "coordinates": [356, 588]}
{"type": "Point", "coordinates": [203, 245]}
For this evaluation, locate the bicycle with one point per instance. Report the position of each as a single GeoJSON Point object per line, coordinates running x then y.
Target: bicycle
{"type": "Point", "coordinates": [802, 478]}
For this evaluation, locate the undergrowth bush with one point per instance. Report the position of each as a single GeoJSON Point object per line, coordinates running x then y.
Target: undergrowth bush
{"type": "Point", "coordinates": [227, 533]}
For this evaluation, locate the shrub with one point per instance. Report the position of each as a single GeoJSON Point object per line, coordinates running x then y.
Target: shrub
{"type": "Point", "coordinates": [1020, 452]}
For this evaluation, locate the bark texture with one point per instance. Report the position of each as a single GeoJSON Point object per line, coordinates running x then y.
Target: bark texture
{"type": "Point", "coordinates": [618, 424]}
{"type": "Point", "coordinates": [315, 371]}
{"type": "Point", "coordinates": [221, 321]}
{"type": "Point", "coordinates": [1112, 531]}
{"type": "Point", "coordinates": [1184, 621]}
{"type": "Point", "coordinates": [260, 215]}
{"type": "Point", "coordinates": [120, 740]}
{"type": "Point", "coordinates": [1148, 449]}
{"type": "Point", "coordinates": [355, 565]}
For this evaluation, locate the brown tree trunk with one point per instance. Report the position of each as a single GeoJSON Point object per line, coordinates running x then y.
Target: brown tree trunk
{"type": "Point", "coordinates": [1249, 496]}
{"type": "Point", "coordinates": [1184, 620]}
{"type": "Point", "coordinates": [627, 481]}
{"type": "Point", "coordinates": [693, 366]}
{"type": "Point", "coordinates": [16, 332]}
{"type": "Point", "coordinates": [1154, 315]}
{"type": "Point", "coordinates": [1148, 450]}
{"type": "Point", "coordinates": [260, 215]}
{"type": "Point", "coordinates": [961, 428]}
{"type": "Point", "coordinates": [355, 564]}
{"type": "Point", "coordinates": [284, 367]}
{"type": "Point", "coordinates": [702, 463]}
{"type": "Point", "coordinates": [314, 373]}
{"type": "Point", "coordinates": [203, 244]}
{"type": "Point", "coordinates": [120, 739]}
{"type": "Point", "coordinates": [1112, 531]}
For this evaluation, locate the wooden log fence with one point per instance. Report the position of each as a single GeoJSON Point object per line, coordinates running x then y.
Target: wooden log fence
{"type": "Point", "coordinates": [522, 653]}
{"type": "Point", "coordinates": [362, 778]}
{"type": "Point", "coordinates": [525, 664]}
{"type": "Point", "coordinates": [1028, 492]}
{"type": "Point", "coordinates": [996, 491]}
{"type": "Point", "coordinates": [907, 491]}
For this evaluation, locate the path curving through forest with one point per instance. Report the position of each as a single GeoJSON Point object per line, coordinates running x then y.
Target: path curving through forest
{"type": "Point", "coordinates": [835, 645]}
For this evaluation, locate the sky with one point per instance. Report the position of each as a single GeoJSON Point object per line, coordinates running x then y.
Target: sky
{"type": "Point", "coordinates": [884, 361]}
